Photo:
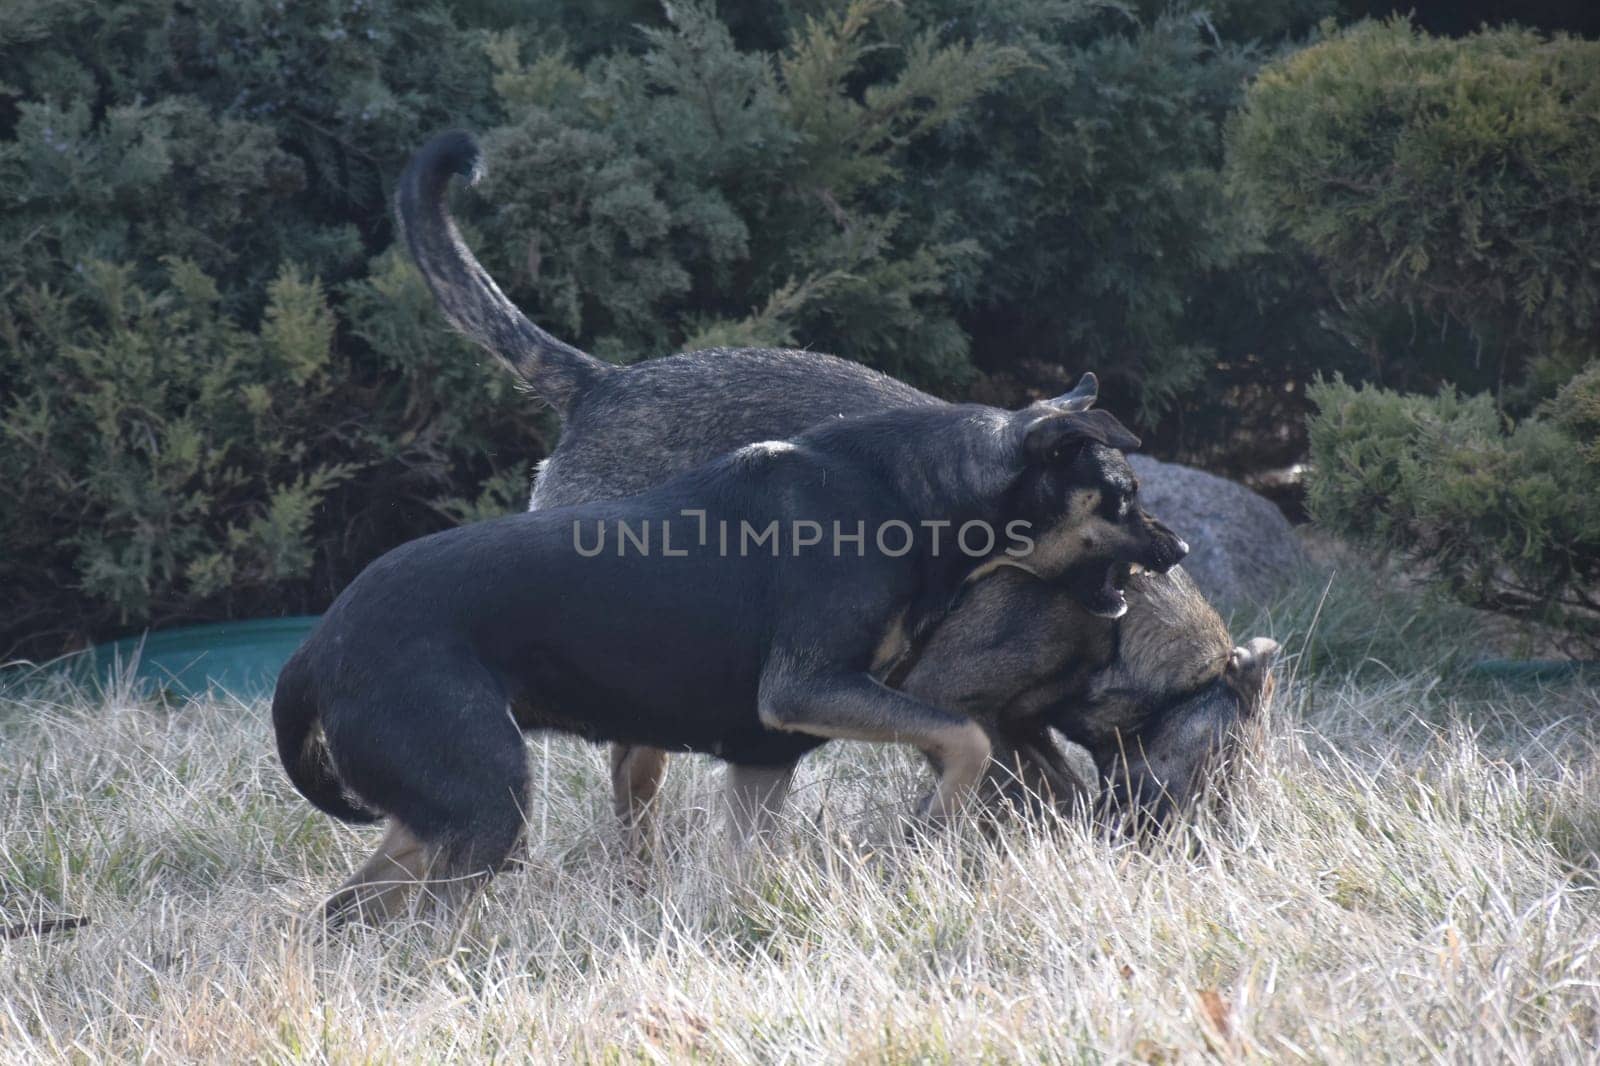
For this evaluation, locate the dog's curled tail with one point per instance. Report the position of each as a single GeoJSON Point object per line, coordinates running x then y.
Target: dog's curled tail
{"type": "Point", "coordinates": [304, 750]}
{"type": "Point", "coordinates": [557, 372]}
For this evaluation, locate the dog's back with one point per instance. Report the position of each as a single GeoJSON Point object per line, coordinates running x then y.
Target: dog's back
{"type": "Point", "coordinates": [634, 429]}
{"type": "Point", "coordinates": [411, 697]}
{"type": "Point", "coordinates": [510, 608]}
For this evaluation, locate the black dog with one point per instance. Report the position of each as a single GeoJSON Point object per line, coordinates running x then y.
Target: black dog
{"type": "Point", "coordinates": [746, 610]}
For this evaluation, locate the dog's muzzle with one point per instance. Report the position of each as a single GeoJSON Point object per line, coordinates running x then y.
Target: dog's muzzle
{"type": "Point", "coordinates": [1163, 549]}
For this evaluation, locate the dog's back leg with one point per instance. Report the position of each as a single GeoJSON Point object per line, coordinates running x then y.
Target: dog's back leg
{"type": "Point", "coordinates": [755, 796]}
{"type": "Point", "coordinates": [379, 888]}
{"type": "Point", "coordinates": [452, 774]}
{"type": "Point", "coordinates": [636, 776]}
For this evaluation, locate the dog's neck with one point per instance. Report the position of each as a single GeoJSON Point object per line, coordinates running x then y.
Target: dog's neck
{"type": "Point", "coordinates": [965, 478]}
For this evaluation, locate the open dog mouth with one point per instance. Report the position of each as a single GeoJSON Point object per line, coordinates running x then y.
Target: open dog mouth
{"type": "Point", "coordinates": [1101, 590]}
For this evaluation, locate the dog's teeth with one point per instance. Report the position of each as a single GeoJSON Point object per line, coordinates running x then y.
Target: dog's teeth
{"type": "Point", "coordinates": [1135, 568]}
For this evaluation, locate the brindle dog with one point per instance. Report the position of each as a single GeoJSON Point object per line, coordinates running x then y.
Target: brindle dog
{"type": "Point", "coordinates": [1158, 697]}
{"type": "Point", "coordinates": [1021, 655]}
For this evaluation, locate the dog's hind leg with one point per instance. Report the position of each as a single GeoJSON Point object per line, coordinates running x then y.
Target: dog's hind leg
{"type": "Point", "coordinates": [468, 861]}
{"type": "Point", "coordinates": [755, 796]}
{"type": "Point", "coordinates": [852, 706]}
{"type": "Point", "coordinates": [447, 764]}
{"type": "Point", "coordinates": [636, 776]}
{"type": "Point", "coordinates": [378, 890]}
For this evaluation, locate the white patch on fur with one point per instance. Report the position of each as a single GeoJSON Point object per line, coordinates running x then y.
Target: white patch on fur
{"type": "Point", "coordinates": [996, 423]}
{"type": "Point", "coordinates": [765, 448]}
{"type": "Point", "coordinates": [1121, 609]}
{"type": "Point", "coordinates": [538, 479]}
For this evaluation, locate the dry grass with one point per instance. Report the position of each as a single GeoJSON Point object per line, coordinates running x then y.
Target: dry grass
{"type": "Point", "coordinates": [1410, 874]}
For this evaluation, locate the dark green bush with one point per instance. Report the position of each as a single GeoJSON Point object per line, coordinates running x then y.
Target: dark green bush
{"type": "Point", "coordinates": [690, 192]}
{"type": "Point", "coordinates": [166, 462]}
{"type": "Point", "coordinates": [1455, 183]}
{"type": "Point", "coordinates": [222, 396]}
{"type": "Point", "coordinates": [213, 401]}
{"type": "Point", "coordinates": [1049, 200]}
{"type": "Point", "coordinates": [1509, 519]}
{"type": "Point", "coordinates": [223, 393]}
{"type": "Point", "coordinates": [1459, 178]}
{"type": "Point", "coordinates": [1092, 182]}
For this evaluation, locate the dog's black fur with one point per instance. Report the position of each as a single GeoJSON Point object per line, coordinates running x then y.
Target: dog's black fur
{"type": "Point", "coordinates": [427, 668]}
{"type": "Point", "coordinates": [1018, 654]}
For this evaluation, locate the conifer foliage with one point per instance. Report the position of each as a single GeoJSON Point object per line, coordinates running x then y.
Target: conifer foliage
{"type": "Point", "coordinates": [1459, 182]}
{"type": "Point", "coordinates": [222, 391]}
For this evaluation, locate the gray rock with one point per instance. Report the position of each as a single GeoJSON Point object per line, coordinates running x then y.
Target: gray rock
{"type": "Point", "coordinates": [1242, 549]}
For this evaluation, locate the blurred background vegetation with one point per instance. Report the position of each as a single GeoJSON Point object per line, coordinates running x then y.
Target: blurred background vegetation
{"type": "Point", "coordinates": [222, 391]}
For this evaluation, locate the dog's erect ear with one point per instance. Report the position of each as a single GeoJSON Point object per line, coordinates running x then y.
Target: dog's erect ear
{"type": "Point", "coordinates": [1051, 438]}
{"type": "Point", "coordinates": [1082, 396]}
{"type": "Point", "coordinates": [1249, 663]}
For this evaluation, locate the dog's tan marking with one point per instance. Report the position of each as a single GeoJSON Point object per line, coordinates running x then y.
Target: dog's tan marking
{"type": "Point", "coordinates": [991, 565]}
{"type": "Point", "coordinates": [962, 754]}
{"type": "Point", "coordinates": [636, 776]}
{"type": "Point", "coordinates": [892, 648]}
{"type": "Point", "coordinates": [378, 890]}
{"type": "Point", "coordinates": [1079, 533]}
